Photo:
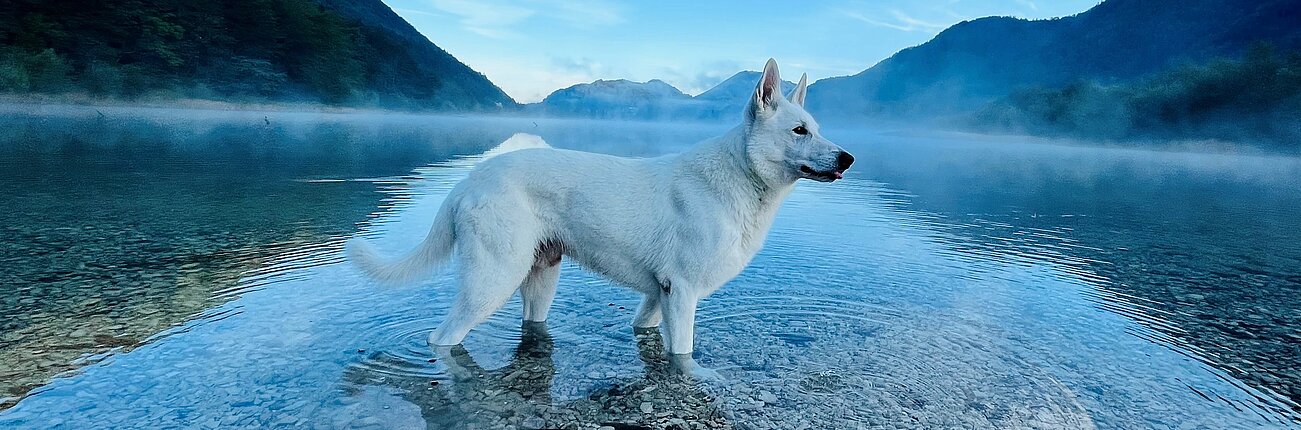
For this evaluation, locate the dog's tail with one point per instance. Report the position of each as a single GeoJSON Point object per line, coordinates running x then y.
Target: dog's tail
{"type": "Point", "coordinates": [434, 251]}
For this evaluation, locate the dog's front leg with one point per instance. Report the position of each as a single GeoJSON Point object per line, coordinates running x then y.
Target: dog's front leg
{"type": "Point", "coordinates": [678, 304]}
{"type": "Point", "coordinates": [648, 314]}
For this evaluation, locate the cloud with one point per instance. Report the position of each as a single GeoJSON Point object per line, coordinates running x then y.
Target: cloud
{"type": "Point", "coordinates": [498, 19]}
{"type": "Point", "coordinates": [405, 12]}
{"type": "Point", "coordinates": [823, 66]}
{"type": "Point", "coordinates": [582, 13]}
{"type": "Point", "coordinates": [700, 82]}
{"type": "Point", "coordinates": [917, 23]}
{"type": "Point", "coordinates": [860, 17]}
{"type": "Point", "coordinates": [581, 66]}
{"type": "Point", "coordinates": [527, 80]}
{"type": "Point", "coordinates": [901, 21]}
{"type": "Point", "coordinates": [486, 18]}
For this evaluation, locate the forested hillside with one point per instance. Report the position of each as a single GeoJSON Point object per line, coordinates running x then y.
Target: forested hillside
{"type": "Point", "coordinates": [1255, 98]}
{"type": "Point", "coordinates": [975, 62]}
{"type": "Point", "coordinates": [238, 50]}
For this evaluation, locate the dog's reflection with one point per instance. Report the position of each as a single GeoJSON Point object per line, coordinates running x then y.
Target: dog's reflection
{"type": "Point", "coordinates": [528, 374]}
{"type": "Point", "coordinates": [518, 395]}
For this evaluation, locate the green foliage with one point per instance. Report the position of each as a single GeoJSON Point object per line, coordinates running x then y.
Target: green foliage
{"type": "Point", "coordinates": [159, 37]}
{"type": "Point", "coordinates": [332, 68]}
{"type": "Point", "coordinates": [1257, 97]}
{"type": "Point", "coordinates": [27, 71]}
{"type": "Point", "coordinates": [292, 50]}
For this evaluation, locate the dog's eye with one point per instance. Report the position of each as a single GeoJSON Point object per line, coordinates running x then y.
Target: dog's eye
{"type": "Point", "coordinates": [800, 130]}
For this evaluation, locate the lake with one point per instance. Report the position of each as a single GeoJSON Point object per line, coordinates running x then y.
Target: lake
{"type": "Point", "coordinates": [183, 269]}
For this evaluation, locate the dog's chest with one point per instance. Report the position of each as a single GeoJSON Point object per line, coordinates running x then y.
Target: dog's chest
{"type": "Point", "coordinates": [741, 239]}
{"type": "Point", "coordinates": [732, 260]}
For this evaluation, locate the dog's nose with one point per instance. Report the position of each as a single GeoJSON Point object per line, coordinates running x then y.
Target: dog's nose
{"type": "Point", "coordinates": [844, 160]}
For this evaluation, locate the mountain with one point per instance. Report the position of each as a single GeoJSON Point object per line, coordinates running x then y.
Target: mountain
{"type": "Point", "coordinates": [1254, 100]}
{"type": "Point", "coordinates": [731, 95]}
{"type": "Point", "coordinates": [340, 52]}
{"type": "Point", "coordinates": [739, 87]}
{"type": "Point", "coordinates": [407, 63]}
{"type": "Point", "coordinates": [975, 62]}
{"type": "Point", "coordinates": [652, 100]}
{"type": "Point", "coordinates": [616, 99]}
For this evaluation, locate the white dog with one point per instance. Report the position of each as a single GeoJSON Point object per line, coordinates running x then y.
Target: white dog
{"type": "Point", "coordinates": [674, 228]}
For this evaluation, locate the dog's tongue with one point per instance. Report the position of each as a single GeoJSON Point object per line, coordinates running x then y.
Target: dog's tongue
{"type": "Point", "coordinates": [839, 175]}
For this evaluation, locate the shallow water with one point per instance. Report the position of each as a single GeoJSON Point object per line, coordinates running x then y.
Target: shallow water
{"type": "Point", "coordinates": [948, 281]}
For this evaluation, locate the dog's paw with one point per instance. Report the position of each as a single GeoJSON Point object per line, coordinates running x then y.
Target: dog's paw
{"type": "Point", "coordinates": [687, 366]}
{"type": "Point", "coordinates": [705, 374]}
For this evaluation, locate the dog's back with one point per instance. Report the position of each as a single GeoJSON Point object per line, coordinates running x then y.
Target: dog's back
{"type": "Point", "coordinates": [606, 212]}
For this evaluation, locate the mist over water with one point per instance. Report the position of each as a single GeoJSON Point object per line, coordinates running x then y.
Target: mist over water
{"type": "Point", "coordinates": [185, 266]}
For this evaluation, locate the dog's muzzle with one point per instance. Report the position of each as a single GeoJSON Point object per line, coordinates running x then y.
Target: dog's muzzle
{"type": "Point", "coordinates": [843, 160]}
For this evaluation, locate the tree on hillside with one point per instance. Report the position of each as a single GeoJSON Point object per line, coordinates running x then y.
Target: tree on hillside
{"type": "Point", "coordinates": [1257, 96]}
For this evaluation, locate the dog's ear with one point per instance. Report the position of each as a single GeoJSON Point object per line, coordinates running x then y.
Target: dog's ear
{"type": "Point", "coordinates": [801, 90]}
{"type": "Point", "coordinates": [767, 93]}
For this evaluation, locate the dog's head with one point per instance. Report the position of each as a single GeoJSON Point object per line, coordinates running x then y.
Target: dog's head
{"type": "Point", "coordinates": [783, 141]}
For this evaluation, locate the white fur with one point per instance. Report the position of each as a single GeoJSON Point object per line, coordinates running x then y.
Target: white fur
{"type": "Point", "coordinates": [674, 228]}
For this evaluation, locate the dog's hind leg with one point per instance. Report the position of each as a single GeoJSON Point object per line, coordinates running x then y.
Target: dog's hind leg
{"type": "Point", "coordinates": [539, 288]}
{"type": "Point", "coordinates": [494, 262]}
{"type": "Point", "coordinates": [483, 291]}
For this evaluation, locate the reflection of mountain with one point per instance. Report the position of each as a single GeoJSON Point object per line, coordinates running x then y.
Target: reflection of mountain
{"type": "Point", "coordinates": [651, 100]}
{"type": "Point", "coordinates": [516, 142]}
{"type": "Point", "coordinates": [122, 226]}
{"type": "Point", "coordinates": [1183, 260]}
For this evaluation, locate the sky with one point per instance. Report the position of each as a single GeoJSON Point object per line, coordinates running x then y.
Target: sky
{"type": "Point", "coordinates": [530, 48]}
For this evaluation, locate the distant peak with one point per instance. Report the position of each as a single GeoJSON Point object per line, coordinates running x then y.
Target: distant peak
{"type": "Point", "coordinates": [739, 85]}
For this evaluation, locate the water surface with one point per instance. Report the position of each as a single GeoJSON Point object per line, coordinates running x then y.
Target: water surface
{"type": "Point", "coordinates": [948, 282]}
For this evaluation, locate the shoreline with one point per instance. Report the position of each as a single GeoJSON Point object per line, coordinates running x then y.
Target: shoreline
{"type": "Point", "coordinates": [879, 126]}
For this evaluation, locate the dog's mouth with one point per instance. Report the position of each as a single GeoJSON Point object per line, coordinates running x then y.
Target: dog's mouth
{"type": "Point", "coordinates": [823, 176]}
